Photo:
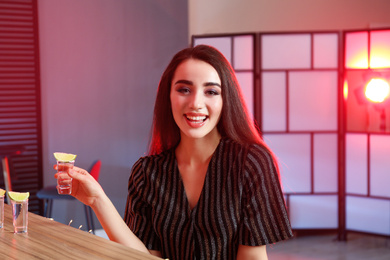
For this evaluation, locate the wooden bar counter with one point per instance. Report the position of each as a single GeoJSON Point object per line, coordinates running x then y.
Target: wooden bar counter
{"type": "Point", "coordinates": [48, 239]}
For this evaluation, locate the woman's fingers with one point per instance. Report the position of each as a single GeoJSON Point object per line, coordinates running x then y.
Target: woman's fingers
{"type": "Point", "coordinates": [64, 180]}
{"type": "Point", "coordinates": [77, 173]}
{"type": "Point", "coordinates": [61, 167]}
{"type": "Point", "coordinates": [84, 187]}
{"type": "Point", "coordinates": [74, 171]}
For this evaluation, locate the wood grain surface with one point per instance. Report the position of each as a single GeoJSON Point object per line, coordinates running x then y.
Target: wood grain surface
{"type": "Point", "coordinates": [48, 239]}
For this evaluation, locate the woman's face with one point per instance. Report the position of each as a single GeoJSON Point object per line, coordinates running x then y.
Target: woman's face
{"type": "Point", "coordinates": [196, 98]}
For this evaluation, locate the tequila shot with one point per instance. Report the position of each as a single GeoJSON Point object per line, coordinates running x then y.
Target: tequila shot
{"type": "Point", "coordinates": [65, 162]}
{"type": "Point", "coordinates": [64, 181]}
{"type": "Point", "coordinates": [20, 215]}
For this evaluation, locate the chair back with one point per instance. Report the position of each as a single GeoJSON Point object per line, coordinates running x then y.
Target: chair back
{"type": "Point", "coordinates": [95, 169]}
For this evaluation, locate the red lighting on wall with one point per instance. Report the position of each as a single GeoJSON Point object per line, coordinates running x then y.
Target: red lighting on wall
{"type": "Point", "coordinates": [368, 50]}
{"type": "Point", "coordinates": [345, 89]}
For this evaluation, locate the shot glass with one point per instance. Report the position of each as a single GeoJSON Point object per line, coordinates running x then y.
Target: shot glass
{"type": "Point", "coordinates": [20, 215]}
{"type": "Point", "coordinates": [2, 211]}
{"type": "Point", "coordinates": [64, 181]}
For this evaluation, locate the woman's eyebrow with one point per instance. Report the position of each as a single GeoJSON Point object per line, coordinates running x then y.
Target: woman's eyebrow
{"type": "Point", "coordinates": [188, 82]}
{"type": "Point", "coordinates": [183, 81]}
{"type": "Point", "coordinates": [208, 84]}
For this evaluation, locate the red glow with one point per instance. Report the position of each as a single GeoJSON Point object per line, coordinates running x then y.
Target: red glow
{"type": "Point", "coordinates": [359, 61]}
{"type": "Point", "coordinates": [380, 57]}
{"type": "Point", "coordinates": [380, 49]}
{"type": "Point", "coordinates": [356, 55]}
{"type": "Point", "coordinates": [377, 90]}
{"type": "Point", "coordinates": [345, 90]}
{"type": "Point", "coordinates": [363, 52]}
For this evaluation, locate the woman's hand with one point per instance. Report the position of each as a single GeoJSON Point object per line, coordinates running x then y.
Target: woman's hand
{"type": "Point", "coordinates": [87, 190]}
{"type": "Point", "coordinates": [84, 187]}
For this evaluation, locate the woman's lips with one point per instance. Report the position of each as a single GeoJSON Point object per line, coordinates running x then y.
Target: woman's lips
{"type": "Point", "coordinates": [196, 120]}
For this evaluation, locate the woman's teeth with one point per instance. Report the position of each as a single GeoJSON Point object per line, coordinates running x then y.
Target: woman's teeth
{"type": "Point", "coordinates": [196, 118]}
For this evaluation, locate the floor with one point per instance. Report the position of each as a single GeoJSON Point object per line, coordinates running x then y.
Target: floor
{"type": "Point", "coordinates": [327, 247]}
{"type": "Point", "coordinates": [101, 233]}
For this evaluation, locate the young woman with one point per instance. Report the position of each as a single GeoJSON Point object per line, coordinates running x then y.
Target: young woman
{"type": "Point", "coordinates": [210, 187]}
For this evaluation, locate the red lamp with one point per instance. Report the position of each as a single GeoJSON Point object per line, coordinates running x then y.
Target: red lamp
{"type": "Point", "coordinates": [377, 90]}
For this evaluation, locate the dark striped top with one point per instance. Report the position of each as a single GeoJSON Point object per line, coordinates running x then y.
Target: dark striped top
{"type": "Point", "coordinates": [241, 203]}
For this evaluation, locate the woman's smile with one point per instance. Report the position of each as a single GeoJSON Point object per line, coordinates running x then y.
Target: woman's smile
{"type": "Point", "coordinates": [196, 120]}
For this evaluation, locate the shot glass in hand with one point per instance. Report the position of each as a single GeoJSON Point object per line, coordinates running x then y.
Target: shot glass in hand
{"type": "Point", "coordinates": [64, 181]}
{"type": "Point", "coordinates": [65, 162]}
{"type": "Point", "coordinates": [19, 202]}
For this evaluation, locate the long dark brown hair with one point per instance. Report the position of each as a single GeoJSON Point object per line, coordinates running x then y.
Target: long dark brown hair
{"type": "Point", "coordinates": [235, 122]}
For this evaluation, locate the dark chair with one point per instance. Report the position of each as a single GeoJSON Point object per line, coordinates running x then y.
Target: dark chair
{"type": "Point", "coordinates": [50, 193]}
{"type": "Point", "coordinates": [5, 152]}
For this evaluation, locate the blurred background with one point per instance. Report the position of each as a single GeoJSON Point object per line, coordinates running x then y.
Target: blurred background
{"type": "Point", "coordinates": [92, 70]}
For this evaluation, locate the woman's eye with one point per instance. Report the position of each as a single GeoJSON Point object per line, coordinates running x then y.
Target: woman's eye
{"type": "Point", "coordinates": [212, 92]}
{"type": "Point", "coordinates": [183, 90]}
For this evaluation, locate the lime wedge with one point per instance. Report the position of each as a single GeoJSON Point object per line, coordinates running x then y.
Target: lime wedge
{"type": "Point", "coordinates": [2, 192]}
{"type": "Point", "coordinates": [65, 157]}
{"type": "Point", "coordinates": [18, 196]}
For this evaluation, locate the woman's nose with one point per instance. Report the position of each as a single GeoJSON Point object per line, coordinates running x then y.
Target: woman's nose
{"type": "Point", "coordinates": [197, 101]}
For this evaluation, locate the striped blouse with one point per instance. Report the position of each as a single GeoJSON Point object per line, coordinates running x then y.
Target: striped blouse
{"type": "Point", "coordinates": [241, 203]}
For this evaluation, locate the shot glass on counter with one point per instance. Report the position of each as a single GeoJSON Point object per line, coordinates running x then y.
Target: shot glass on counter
{"type": "Point", "coordinates": [19, 202]}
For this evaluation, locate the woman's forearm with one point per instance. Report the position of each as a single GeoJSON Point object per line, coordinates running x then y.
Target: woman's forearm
{"type": "Point", "coordinates": [114, 226]}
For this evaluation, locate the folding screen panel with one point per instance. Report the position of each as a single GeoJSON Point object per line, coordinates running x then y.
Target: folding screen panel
{"type": "Point", "coordinates": [331, 143]}
{"type": "Point", "coordinates": [296, 103]}
{"type": "Point", "coordinates": [367, 56]}
{"type": "Point", "coordinates": [299, 121]}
